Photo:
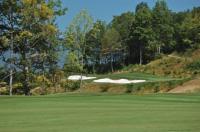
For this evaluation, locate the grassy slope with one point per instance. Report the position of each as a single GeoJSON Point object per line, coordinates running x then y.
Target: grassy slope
{"type": "Point", "coordinates": [105, 113]}
{"type": "Point", "coordinates": [153, 84]}
{"type": "Point", "coordinates": [174, 65]}
{"type": "Point", "coordinates": [133, 76]}
{"type": "Point", "coordinates": [192, 86]}
{"type": "Point", "coordinates": [136, 76]}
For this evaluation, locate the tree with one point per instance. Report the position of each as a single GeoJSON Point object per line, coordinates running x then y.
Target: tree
{"type": "Point", "coordinates": [72, 64]}
{"type": "Point", "coordinates": [94, 45]}
{"type": "Point", "coordinates": [141, 32]}
{"type": "Point", "coordinates": [178, 19]}
{"type": "Point", "coordinates": [123, 24]}
{"type": "Point", "coordinates": [190, 30]}
{"type": "Point", "coordinates": [76, 34]}
{"type": "Point", "coordinates": [162, 26]}
{"type": "Point", "coordinates": [29, 26]}
{"type": "Point", "coordinates": [111, 44]}
{"type": "Point", "coordinates": [9, 14]}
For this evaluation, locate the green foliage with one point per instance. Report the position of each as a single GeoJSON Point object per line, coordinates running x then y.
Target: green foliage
{"type": "Point", "coordinates": [194, 66]}
{"type": "Point", "coordinates": [94, 46]}
{"type": "Point", "coordinates": [75, 41]}
{"type": "Point", "coordinates": [3, 88]}
{"type": "Point", "coordinates": [123, 24]}
{"type": "Point", "coordinates": [141, 33]}
{"type": "Point", "coordinates": [31, 34]}
{"type": "Point", "coordinates": [42, 80]}
{"type": "Point", "coordinates": [187, 30]}
{"type": "Point", "coordinates": [111, 44]}
{"type": "Point", "coordinates": [162, 26]}
{"type": "Point", "coordinates": [72, 64]}
{"type": "Point", "coordinates": [18, 89]}
{"type": "Point", "coordinates": [111, 41]}
{"type": "Point", "coordinates": [28, 32]}
{"type": "Point", "coordinates": [4, 43]}
{"type": "Point", "coordinates": [154, 87]}
{"type": "Point", "coordinates": [72, 85]}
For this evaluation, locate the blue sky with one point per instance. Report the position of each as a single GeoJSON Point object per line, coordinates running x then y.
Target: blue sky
{"type": "Point", "coordinates": [106, 9]}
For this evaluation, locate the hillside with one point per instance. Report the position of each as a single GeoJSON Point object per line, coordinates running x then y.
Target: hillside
{"type": "Point", "coordinates": [191, 86]}
{"type": "Point", "coordinates": [185, 65]}
{"type": "Point", "coordinates": [174, 73]}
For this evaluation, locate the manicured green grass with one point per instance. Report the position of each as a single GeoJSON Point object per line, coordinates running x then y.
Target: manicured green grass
{"type": "Point", "coordinates": [101, 113]}
{"type": "Point", "coordinates": [136, 76]}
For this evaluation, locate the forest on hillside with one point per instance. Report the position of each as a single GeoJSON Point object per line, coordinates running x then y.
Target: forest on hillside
{"type": "Point", "coordinates": [31, 42]}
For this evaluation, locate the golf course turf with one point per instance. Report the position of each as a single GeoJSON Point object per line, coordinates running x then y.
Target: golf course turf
{"type": "Point", "coordinates": [101, 113]}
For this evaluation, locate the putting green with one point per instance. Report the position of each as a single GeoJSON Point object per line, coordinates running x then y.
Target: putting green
{"type": "Point", "coordinates": [101, 113]}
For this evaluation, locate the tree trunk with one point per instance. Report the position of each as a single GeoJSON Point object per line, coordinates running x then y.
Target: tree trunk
{"type": "Point", "coordinates": [140, 55]}
{"type": "Point", "coordinates": [159, 49]}
{"type": "Point", "coordinates": [124, 57]}
{"type": "Point", "coordinates": [43, 74]}
{"type": "Point", "coordinates": [82, 65]}
{"type": "Point", "coordinates": [81, 81]}
{"type": "Point", "coordinates": [11, 66]}
{"type": "Point", "coordinates": [26, 80]}
{"type": "Point", "coordinates": [11, 53]}
{"type": "Point", "coordinates": [10, 83]}
{"type": "Point", "coordinates": [93, 68]}
{"type": "Point", "coordinates": [43, 84]}
{"type": "Point", "coordinates": [55, 83]}
{"type": "Point", "coordinates": [111, 62]}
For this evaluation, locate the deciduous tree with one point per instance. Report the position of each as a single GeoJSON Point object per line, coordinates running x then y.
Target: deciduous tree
{"type": "Point", "coordinates": [111, 44]}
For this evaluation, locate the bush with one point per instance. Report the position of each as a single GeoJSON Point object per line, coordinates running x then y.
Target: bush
{"type": "Point", "coordinates": [104, 88]}
{"type": "Point", "coordinates": [3, 88]}
{"type": "Point", "coordinates": [71, 85]}
{"type": "Point", "coordinates": [17, 88]}
{"type": "Point", "coordinates": [129, 88]}
{"type": "Point", "coordinates": [194, 66]}
{"type": "Point", "coordinates": [158, 56]}
{"type": "Point", "coordinates": [154, 87]}
{"type": "Point", "coordinates": [42, 80]}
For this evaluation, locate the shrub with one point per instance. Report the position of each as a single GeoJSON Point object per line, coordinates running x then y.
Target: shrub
{"type": "Point", "coordinates": [3, 88]}
{"type": "Point", "coordinates": [42, 80]}
{"type": "Point", "coordinates": [71, 85]}
{"type": "Point", "coordinates": [158, 56]}
{"type": "Point", "coordinates": [17, 88]}
{"type": "Point", "coordinates": [129, 88]}
{"type": "Point", "coordinates": [156, 89]}
{"type": "Point", "coordinates": [194, 65]}
{"type": "Point", "coordinates": [104, 88]}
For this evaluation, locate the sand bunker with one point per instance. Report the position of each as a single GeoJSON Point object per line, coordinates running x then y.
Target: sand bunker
{"type": "Point", "coordinates": [104, 80]}
{"type": "Point", "coordinates": [78, 77]}
{"type": "Point", "coordinates": [120, 81]}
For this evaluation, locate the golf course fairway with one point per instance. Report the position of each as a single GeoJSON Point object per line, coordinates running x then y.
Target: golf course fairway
{"type": "Point", "coordinates": [101, 113]}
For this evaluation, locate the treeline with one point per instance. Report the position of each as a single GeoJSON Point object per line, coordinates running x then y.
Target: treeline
{"type": "Point", "coordinates": [131, 38]}
{"type": "Point", "coordinates": [30, 41]}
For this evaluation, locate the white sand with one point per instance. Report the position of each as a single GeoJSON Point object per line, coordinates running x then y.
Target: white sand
{"type": "Point", "coordinates": [120, 81]}
{"type": "Point", "coordinates": [105, 80]}
{"type": "Point", "coordinates": [78, 77]}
